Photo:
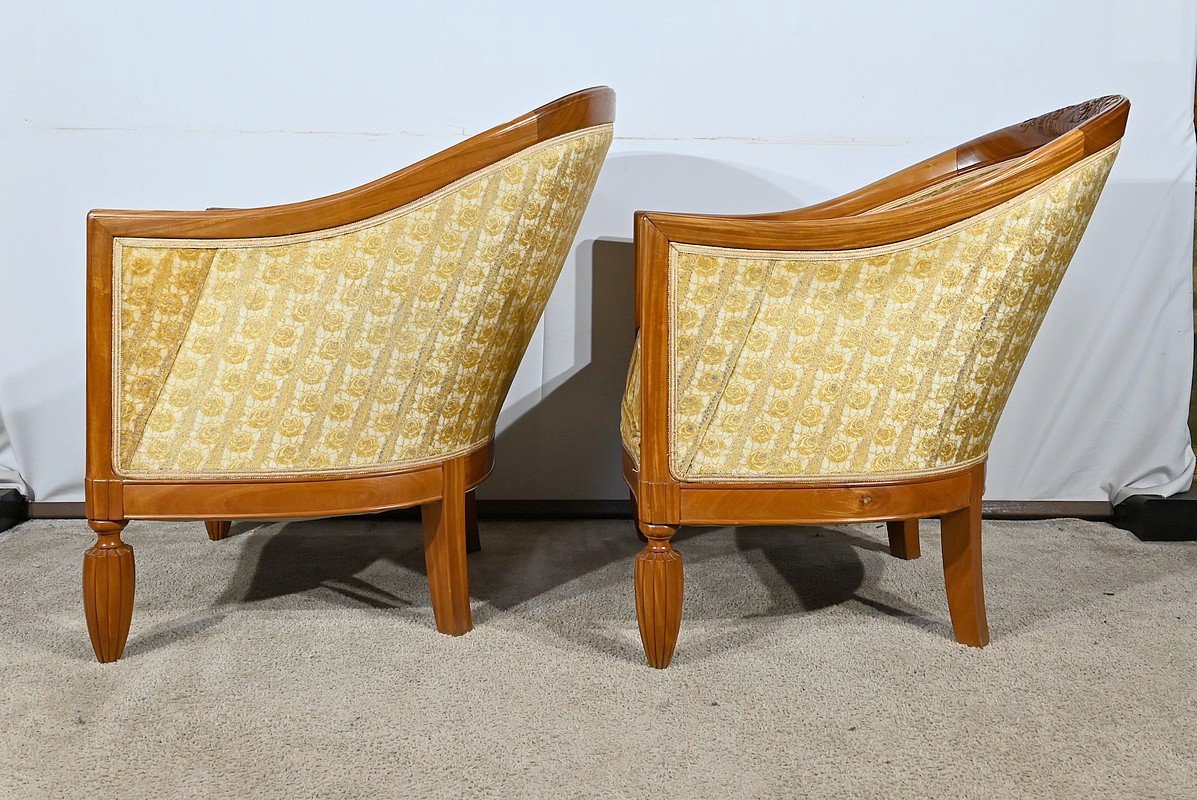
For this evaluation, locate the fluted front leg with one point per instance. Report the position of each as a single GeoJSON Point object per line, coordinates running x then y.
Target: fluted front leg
{"type": "Point", "coordinates": [108, 581]}
{"type": "Point", "coordinates": [659, 594]}
{"type": "Point", "coordinates": [218, 528]}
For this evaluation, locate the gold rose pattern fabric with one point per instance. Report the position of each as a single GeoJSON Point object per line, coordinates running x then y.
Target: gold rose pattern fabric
{"type": "Point", "coordinates": [378, 345]}
{"type": "Point", "coordinates": [865, 364]}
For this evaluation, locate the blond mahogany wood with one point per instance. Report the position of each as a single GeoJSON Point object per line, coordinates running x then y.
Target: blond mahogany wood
{"type": "Point", "coordinates": [255, 498]}
{"type": "Point", "coordinates": [1021, 156]}
{"type": "Point", "coordinates": [843, 223]}
{"type": "Point", "coordinates": [108, 583]}
{"type": "Point", "coordinates": [659, 581]}
{"type": "Point", "coordinates": [218, 528]}
{"type": "Point", "coordinates": [811, 504]}
{"type": "Point", "coordinates": [444, 523]}
{"type": "Point", "coordinates": [584, 109]}
{"type": "Point", "coordinates": [115, 498]}
{"type": "Point", "coordinates": [960, 535]}
{"type": "Point", "coordinates": [1033, 151]}
{"type": "Point", "coordinates": [904, 538]}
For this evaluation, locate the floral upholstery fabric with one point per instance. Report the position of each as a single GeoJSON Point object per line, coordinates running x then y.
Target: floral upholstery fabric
{"type": "Point", "coordinates": [382, 344]}
{"type": "Point", "coordinates": [864, 364]}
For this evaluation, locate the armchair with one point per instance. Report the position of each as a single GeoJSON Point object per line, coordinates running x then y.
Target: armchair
{"type": "Point", "coordinates": [345, 355]}
{"type": "Point", "coordinates": [848, 362]}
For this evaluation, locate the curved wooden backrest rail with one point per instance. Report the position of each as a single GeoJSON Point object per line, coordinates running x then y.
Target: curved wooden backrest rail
{"type": "Point", "coordinates": [573, 112]}
{"type": "Point", "coordinates": [1016, 159]}
{"type": "Point", "coordinates": [1034, 150]}
{"type": "Point", "coordinates": [443, 490]}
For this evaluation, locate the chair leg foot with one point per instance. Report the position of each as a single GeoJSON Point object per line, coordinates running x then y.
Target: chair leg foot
{"type": "Point", "coordinates": [445, 553]}
{"type": "Point", "coordinates": [904, 538]}
{"type": "Point", "coordinates": [108, 580]}
{"type": "Point", "coordinates": [473, 543]}
{"type": "Point", "coordinates": [961, 537]}
{"type": "Point", "coordinates": [658, 582]}
{"type": "Point", "coordinates": [218, 528]}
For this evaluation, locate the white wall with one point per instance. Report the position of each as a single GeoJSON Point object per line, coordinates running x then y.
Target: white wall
{"type": "Point", "coordinates": [721, 108]}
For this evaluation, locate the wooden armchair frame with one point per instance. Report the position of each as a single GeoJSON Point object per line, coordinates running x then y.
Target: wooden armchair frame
{"type": "Point", "coordinates": [439, 488]}
{"type": "Point", "coordinates": [1022, 156]}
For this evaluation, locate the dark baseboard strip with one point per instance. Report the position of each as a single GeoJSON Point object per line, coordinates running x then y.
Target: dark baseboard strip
{"type": "Point", "coordinates": [1047, 509]}
{"type": "Point", "coordinates": [621, 509]}
{"type": "Point", "coordinates": [57, 510]}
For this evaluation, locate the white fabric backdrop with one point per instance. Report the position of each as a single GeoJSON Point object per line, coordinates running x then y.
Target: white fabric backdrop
{"type": "Point", "coordinates": [722, 107]}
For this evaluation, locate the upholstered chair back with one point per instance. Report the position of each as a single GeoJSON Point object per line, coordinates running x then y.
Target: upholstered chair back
{"type": "Point", "coordinates": [385, 343]}
{"type": "Point", "coordinates": [864, 363]}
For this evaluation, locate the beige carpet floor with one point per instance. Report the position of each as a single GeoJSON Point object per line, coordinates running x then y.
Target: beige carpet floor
{"type": "Point", "coordinates": [299, 660]}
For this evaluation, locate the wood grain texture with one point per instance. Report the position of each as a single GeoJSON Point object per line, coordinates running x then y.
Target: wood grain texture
{"type": "Point", "coordinates": [1030, 153]}
{"type": "Point", "coordinates": [108, 585]}
{"type": "Point", "coordinates": [445, 553]}
{"type": "Point", "coordinates": [113, 498]}
{"type": "Point", "coordinates": [811, 504]}
{"type": "Point", "coordinates": [960, 535]}
{"type": "Point", "coordinates": [313, 496]}
{"type": "Point", "coordinates": [1016, 158]}
{"type": "Point", "coordinates": [218, 528]}
{"type": "Point", "coordinates": [659, 583]}
{"type": "Point", "coordinates": [903, 538]}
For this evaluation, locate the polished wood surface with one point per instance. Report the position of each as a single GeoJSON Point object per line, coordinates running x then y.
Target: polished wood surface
{"type": "Point", "coordinates": [444, 523]}
{"type": "Point", "coordinates": [960, 536]}
{"type": "Point", "coordinates": [796, 504]}
{"type": "Point", "coordinates": [1029, 153]}
{"type": "Point", "coordinates": [1017, 158]}
{"type": "Point", "coordinates": [658, 584]}
{"type": "Point", "coordinates": [573, 112]}
{"type": "Point", "coordinates": [903, 538]}
{"type": "Point", "coordinates": [114, 498]}
{"type": "Point", "coordinates": [218, 528]}
{"type": "Point", "coordinates": [313, 496]}
{"type": "Point", "coordinates": [108, 583]}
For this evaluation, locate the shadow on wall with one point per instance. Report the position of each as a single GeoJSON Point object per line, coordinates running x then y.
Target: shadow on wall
{"type": "Point", "coordinates": [565, 444]}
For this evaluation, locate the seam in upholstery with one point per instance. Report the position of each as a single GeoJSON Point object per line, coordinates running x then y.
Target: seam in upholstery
{"type": "Point", "coordinates": [170, 365]}
{"type": "Point", "coordinates": [371, 469]}
{"type": "Point", "coordinates": [713, 411]}
{"type": "Point", "coordinates": [841, 477]}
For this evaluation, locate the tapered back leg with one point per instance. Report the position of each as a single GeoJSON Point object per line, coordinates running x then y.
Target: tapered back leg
{"type": "Point", "coordinates": [445, 553]}
{"type": "Point", "coordinates": [903, 538]}
{"type": "Point", "coordinates": [961, 535]}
